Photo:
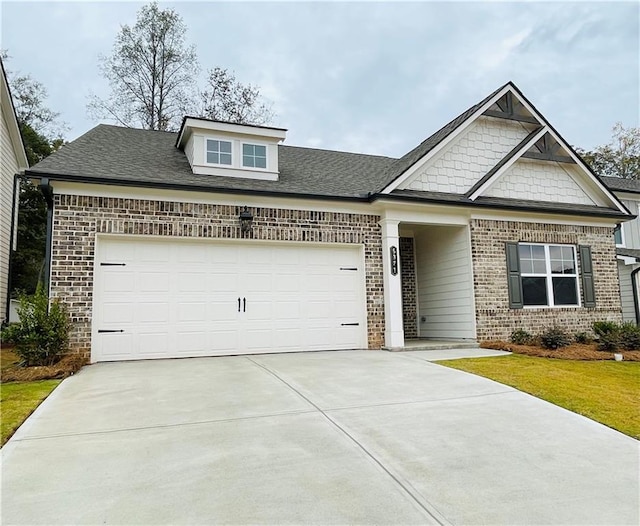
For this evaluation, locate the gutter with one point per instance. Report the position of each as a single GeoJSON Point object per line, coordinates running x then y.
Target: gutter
{"type": "Point", "coordinates": [47, 192]}
{"type": "Point", "coordinates": [11, 243]}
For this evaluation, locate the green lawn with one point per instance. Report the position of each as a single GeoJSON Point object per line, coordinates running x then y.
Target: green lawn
{"type": "Point", "coordinates": [18, 400]}
{"type": "Point", "coordinates": [605, 391]}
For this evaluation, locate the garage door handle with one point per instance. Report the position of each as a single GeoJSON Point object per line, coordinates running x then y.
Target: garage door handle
{"type": "Point", "coordinates": [110, 330]}
{"type": "Point", "coordinates": [238, 304]}
{"type": "Point", "coordinates": [244, 304]}
{"type": "Point", "coordinates": [350, 324]}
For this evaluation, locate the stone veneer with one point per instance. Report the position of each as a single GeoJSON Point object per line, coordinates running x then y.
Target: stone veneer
{"type": "Point", "coordinates": [408, 275]}
{"type": "Point", "coordinates": [494, 318]}
{"type": "Point", "coordinates": [77, 220]}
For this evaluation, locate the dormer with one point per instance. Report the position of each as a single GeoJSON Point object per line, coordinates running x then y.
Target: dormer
{"type": "Point", "coordinates": [230, 150]}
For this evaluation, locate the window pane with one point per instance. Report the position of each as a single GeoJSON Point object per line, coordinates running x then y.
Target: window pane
{"type": "Point", "coordinates": [534, 291]}
{"type": "Point", "coordinates": [555, 252]}
{"type": "Point", "coordinates": [565, 291]}
{"type": "Point", "coordinates": [225, 158]}
{"type": "Point", "coordinates": [567, 253]}
{"type": "Point", "coordinates": [247, 149]}
{"type": "Point", "coordinates": [247, 161]}
{"type": "Point", "coordinates": [524, 251]}
{"type": "Point", "coordinates": [225, 146]}
{"type": "Point", "coordinates": [537, 251]}
{"type": "Point", "coordinates": [261, 162]}
{"type": "Point", "coordinates": [213, 158]}
{"type": "Point", "coordinates": [260, 151]}
{"type": "Point", "coordinates": [212, 146]}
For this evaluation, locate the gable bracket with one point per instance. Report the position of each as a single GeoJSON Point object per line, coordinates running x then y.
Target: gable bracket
{"type": "Point", "coordinates": [508, 111]}
{"type": "Point", "coordinates": [548, 152]}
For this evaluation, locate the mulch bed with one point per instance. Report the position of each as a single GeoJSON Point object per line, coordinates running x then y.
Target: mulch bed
{"type": "Point", "coordinates": [575, 351]}
{"type": "Point", "coordinates": [67, 366]}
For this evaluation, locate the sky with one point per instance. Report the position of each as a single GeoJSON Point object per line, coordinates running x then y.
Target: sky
{"type": "Point", "coordinates": [368, 77]}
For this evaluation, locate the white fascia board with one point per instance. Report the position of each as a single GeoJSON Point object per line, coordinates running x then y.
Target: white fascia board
{"type": "Point", "coordinates": [544, 217]}
{"type": "Point", "coordinates": [489, 182]}
{"type": "Point", "coordinates": [9, 114]}
{"type": "Point", "coordinates": [568, 148]}
{"type": "Point", "coordinates": [603, 189]}
{"type": "Point", "coordinates": [450, 138]}
{"type": "Point", "coordinates": [628, 260]}
{"type": "Point", "coordinates": [272, 134]}
{"type": "Point", "coordinates": [189, 196]}
{"type": "Point", "coordinates": [629, 196]}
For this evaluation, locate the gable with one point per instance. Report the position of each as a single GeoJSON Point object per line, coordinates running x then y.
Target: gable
{"type": "Point", "coordinates": [466, 160]}
{"type": "Point", "coordinates": [537, 180]}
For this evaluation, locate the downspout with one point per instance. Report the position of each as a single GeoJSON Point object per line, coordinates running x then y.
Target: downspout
{"type": "Point", "coordinates": [47, 192]}
{"type": "Point", "coordinates": [11, 242]}
{"type": "Point", "coordinates": [634, 288]}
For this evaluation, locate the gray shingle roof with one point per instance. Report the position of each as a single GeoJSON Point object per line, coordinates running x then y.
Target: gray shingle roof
{"type": "Point", "coordinates": [622, 185]}
{"type": "Point", "coordinates": [150, 158]}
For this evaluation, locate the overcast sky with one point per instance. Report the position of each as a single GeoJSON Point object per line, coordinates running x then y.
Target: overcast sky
{"type": "Point", "coordinates": [366, 77]}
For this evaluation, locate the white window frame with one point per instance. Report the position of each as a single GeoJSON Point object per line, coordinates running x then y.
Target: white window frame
{"type": "Point", "coordinates": [266, 155]}
{"type": "Point", "coordinates": [206, 151]}
{"type": "Point", "coordinates": [549, 276]}
{"type": "Point", "coordinates": [620, 245]}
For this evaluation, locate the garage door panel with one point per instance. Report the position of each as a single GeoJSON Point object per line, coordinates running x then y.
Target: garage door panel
{"type": "Point", "coordinates": [180, 298]}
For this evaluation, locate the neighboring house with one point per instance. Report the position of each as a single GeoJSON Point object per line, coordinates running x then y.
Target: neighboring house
{"type": "Point", "coordinates": [12, 160]}
{"type": "Point", "coordinates": [220, 240]}
{"type": "Point", "coordinates": [627, 238]}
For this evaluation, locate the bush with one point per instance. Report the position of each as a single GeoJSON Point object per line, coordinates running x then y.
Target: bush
{"type": "Point", "coordinates": [521, 337]}
{"type": "Point", "coordinates": [554, 338]}
{"type": "Point", "coordinates": [629, 336]}
{"type": "Point", "coordinates": [608, 342]}
{"type": "Point", "coordinates": [582, 337]}
{"type": "Point", "coordinates": [605, 327]}
{"type": "Point", "coordinates": [41, 336]}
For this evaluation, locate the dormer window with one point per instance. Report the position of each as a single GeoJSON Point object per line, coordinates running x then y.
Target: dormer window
{"type": "Point", "coordinates": [254, 156]}
{"type": "Point", "coordinates": [219, 152]}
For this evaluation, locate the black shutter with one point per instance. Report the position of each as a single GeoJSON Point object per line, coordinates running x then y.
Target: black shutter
{"type": "Point", "coordinates": [588, 287]}
{"type": "Point", "coordinates": [513, 276]}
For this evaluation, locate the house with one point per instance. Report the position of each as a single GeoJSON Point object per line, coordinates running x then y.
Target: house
{"type": "Point", "coordinates": [219, 239]}
{"type": "Point", "coordinates": [12, 161]}
{"type": "Point", "coordinates": [627, 238]}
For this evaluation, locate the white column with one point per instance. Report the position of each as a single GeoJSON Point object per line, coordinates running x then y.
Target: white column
{"type": "Point", "coordinates": [393, 331]}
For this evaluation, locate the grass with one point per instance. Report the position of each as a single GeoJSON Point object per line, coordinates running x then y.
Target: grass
{"type": "Point", "coordinates": [604, 391]}
{"type": "Point", "coordinates": [18, 400]}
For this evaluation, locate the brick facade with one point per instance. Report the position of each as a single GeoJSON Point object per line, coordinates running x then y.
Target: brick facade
{"type": "Point", "coordinates": [409, 299]}
{"type": "Point", "coordinates": [494, 318]}
{"type": "Point", "coordinates": [77, 220]}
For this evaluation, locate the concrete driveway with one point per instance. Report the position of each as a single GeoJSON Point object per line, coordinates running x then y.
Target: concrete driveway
{"type": "Point", "coordinates": [352, 437]}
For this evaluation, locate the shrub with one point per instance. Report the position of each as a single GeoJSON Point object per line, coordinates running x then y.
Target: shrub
{"type": "Point", "coordinates": [629, 336]}
{"type": "Point", "coordinates": [554, 338]}
{"type": "Point", "coordinates": [521, 337]}
{"type": "Point", "coordinates": [608, 342]}
{"type": "Point", "coordinates": [605, 327]}
{"type": "Point", "coordinates": [582, 337]}
{"type": "Point", "coordinates": [42, 334]}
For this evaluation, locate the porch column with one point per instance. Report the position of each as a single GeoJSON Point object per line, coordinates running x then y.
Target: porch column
{"type": "Point", "coordinates": [393, 329]}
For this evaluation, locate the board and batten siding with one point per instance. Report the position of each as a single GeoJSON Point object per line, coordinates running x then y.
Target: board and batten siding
{"type": "Point", "coordinates": [445, 283]}
{"type": "Point", "coordinates": [626, 292]}
{"type": "Point", "coordinates": [8, 168]}
{"type": "Point", "coordinates": [631, 229]}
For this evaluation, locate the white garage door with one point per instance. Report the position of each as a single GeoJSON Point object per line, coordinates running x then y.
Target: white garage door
{"type": "Point", "coordinates": [169, 299]}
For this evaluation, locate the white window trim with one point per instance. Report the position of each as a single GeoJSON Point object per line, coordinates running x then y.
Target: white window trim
{"type": "Point", "coordinates": [549, 277]}
{"type": "Point", "coordinates": [266, 152]}
{"type": "Point", "coordinates": [206, 151]}
{"type": "Point", "coordinates": [623, 244]}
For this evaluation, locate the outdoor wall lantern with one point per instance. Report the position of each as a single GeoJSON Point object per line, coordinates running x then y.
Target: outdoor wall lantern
{"type": "Point", "coordinates": [246, 219]}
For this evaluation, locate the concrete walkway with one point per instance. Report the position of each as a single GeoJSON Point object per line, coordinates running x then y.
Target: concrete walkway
{"type": "Point", "coordinates": [352, 437]}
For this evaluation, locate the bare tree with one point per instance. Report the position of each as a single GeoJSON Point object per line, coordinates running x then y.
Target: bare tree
{"type": "Point", "coordinates": [151, 72]}
{"type": "Point", "coordinates": [226, 99]}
